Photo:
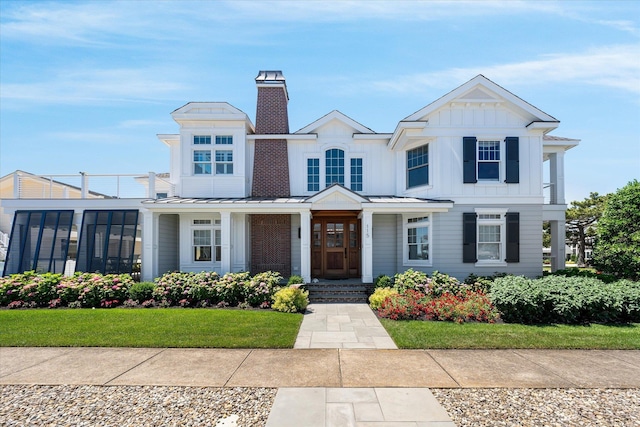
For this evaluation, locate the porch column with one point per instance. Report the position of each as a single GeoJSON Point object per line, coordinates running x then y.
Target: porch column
{"type": "Point", "coordinates": [305, 246]}
{"type": "Point", "coordinates": [149, 246]}
{"type": "Point", "coordinates": [367, 247]}
{"type": "Point", "coordinates": [558, 236]}
{"type": "Point", "coordinates": [556, 169]}
{"type": "Point", "coordinates": [225, 242]}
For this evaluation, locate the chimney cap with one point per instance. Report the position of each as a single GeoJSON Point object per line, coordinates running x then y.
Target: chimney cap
{"type": "Point", "coordinates": [270, 76]}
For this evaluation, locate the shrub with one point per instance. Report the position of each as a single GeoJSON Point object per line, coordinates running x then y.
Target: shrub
{"type": "Point", "coordinates": [468, 307]}
{"type": "Point", "coordinates": [142, 291]}
{"type": "Point", "coordinates": [573, 300]}
{"type": "Point", "coordinates": [411, 280]}
{"type": "Point", "coordinates": [382, 281]}
{"type": "Point", "coordinates": [295, 280]}
{"type": "Point", "coordinates": [378, 297]}
{"type": "Point", "coordinates": [259, 291]}
{"type": "Point", "coordinates": [290, 300]}
{"type": "Point", "coordinates": [581, 272]}
{"type": "Point", "coordinates": [408, 305]}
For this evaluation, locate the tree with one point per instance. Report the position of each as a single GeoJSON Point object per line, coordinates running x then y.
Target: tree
{"type": "Point", "coordinates": [581, 218]}
{"type": "Point", "coordinates": [617, 249]}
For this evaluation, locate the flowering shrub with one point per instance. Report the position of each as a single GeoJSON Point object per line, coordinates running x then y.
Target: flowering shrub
{"type": "Point", "coordinates": [94, 290]}
{"type": "Point", "coordinates": [411, 279]}
{"type": "Point", "coordinates": [259, 290]}
{"type": "Point", "coordinates": [378, 297]}
{"type": "Point", "coordinates": [291, 300]}
{"type": "Point", "coordinates": [409, 305]}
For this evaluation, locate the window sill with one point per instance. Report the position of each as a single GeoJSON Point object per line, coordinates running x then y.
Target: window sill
{"type": "Point", "coordinates": [491, 264]}
{"type": "Point", "coordinates": [412, 263]}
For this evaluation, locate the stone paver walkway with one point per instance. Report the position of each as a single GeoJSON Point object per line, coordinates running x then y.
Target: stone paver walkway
{"type": "Point", "coordinates": [349, 326]}
{"type": "Point", "coordinates": [357, 407]}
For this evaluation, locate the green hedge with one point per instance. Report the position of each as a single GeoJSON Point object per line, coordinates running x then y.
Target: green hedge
{"type": "Point", "coordinates": [571, 300]}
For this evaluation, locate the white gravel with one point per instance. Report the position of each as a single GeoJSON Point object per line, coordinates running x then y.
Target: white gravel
{"type": "Point", "coordinates": [205, 406]}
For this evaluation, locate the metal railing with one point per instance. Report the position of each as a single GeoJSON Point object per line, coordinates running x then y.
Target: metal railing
{"type": "Point", "coordinates": [90, 186]}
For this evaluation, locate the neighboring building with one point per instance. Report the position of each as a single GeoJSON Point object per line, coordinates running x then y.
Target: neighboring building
{"type": "Point", "coordinates": [456, 187]}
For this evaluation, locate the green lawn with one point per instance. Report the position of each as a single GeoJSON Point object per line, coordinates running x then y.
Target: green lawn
{"type": "Point", "coordinates": [419, 334]}
{"type": "Point", "coordinates": [149, 328]}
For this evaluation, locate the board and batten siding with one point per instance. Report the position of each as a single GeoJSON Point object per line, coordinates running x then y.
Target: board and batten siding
{"type": "Point", "coordinates": [168, 246]}
{"type": "Point", "coordinates": [385, 243]}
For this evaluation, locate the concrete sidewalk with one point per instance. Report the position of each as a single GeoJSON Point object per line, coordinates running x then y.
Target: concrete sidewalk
{"type": "Point", "coordinates": [322, 367]}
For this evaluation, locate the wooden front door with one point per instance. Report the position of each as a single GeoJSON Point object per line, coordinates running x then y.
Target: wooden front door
{"type": "Point", "coordinates": [335, 251]}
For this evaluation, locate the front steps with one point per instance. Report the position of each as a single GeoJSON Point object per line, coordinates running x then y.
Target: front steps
{"type": "Point", "coordinates": [338, 291]}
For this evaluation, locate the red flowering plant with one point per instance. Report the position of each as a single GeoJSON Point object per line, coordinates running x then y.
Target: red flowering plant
{"type": "Point", "coordinates": [409, 305]}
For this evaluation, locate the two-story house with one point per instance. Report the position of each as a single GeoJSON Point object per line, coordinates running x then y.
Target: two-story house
{"type": "Point", "coordinates": [456, 187]}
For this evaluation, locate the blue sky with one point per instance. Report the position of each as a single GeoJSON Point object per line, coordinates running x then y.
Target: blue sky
{"type": "Point", "coordinates": [88, 85]}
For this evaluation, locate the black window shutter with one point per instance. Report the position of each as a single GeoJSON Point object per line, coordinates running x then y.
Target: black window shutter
{"type": "Point", "coordinates": [469, 160]}
{"type": "Point", "coordinates": [513, 160]}
{"type": "Point", "coordinates": [513, 237]}
{"type": "Point", "coordinates": [469, 237]}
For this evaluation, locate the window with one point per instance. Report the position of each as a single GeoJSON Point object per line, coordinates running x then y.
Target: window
{"type": "Point", "coordinates": [334, 167]}
{"type": "Point", "coordinates": [201, 139]}
{"type": "Point", "coordinates": [356, 174]}
{"type": "Point", "coordinates": [417, 238]}
{"type": "Point", "coordinates": [202, 162]}
{"type": "Point", "coordinates": [313, 174]}
{"type": "Point", "coordinates": [224, 162]}
{"type": "Point", "coordinates": [162, 195]}
{"type": "Point", "coordinates": [491, 228]}
{"type": "Point", "coordinates": [206, 241]}
{"type": "Point", "coordinates": [224, 139]}
{"type": "Point", "coordinates": [418, 166]}
{"type": "Point", "coordinates": [489, 160]}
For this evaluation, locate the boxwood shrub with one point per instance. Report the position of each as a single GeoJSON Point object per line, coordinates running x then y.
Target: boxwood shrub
{"type": "Point", "coordinates": [571, 300]}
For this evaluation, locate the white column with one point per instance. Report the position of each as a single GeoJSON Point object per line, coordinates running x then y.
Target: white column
{"type": "Point", "coordinates": [556, 166]}
{"type": "Point", "coordinates": [84, 185]}
{"type": "Point", "coordinates": [367, 247]}
{"type": "Point", "coordinates": [225, 237]}
{"type": "Point", "coordinates": [152, 185]}
{"type": "Point", "coordinates": [149, 246]}
{"type": "Point", "coordinates": [558, 236]}
{"type": "Point", "coordinates": [305, 246]}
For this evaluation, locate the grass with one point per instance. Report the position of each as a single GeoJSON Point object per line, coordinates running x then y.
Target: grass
{"type": "Point", "coordinates": [149, 328]}
{"type": "Point", "coordinates": [445, 335]}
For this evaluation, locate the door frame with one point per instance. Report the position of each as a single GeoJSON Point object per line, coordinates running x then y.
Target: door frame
{"type": "Point", "coordinates": [351, 244]}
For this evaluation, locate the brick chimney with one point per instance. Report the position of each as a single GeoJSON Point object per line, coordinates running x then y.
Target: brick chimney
{"type": "Point", "coordinates": [271, 161]}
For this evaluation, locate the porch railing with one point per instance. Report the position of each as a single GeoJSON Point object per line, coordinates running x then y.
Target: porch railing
{"type": "Point", "coordinates": [90, 186]}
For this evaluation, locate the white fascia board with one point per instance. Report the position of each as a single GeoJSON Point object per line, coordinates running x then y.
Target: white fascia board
{"type": "Point", "coordinates": [555, 146]}
{"type": "Point", "coordinates": [502, 201]}
{"type": "Point", "coordinates": [402, 129]}
{"type": "Point", "coordinates": [78, 205]}
{"type": "Point", "coordinates": [169, 139]}
{"type": "Point", "coordinates": [544, 126]}
{"type": "Point", "coordinates": [240, 208]}
{"type": "Point", "coordinates": [406, 207]}
{"type": "Point", "coordinates": [289, 136]}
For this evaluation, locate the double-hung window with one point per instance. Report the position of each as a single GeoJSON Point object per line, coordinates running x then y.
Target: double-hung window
{"type": "Point", "coordinates": [334, 166]}
{"type": "Point", "coordinates": [202, 162]}
{"type": "Point", "coordinates": [491, 231]}
{"type": "Point", "coordinates": [418, 166]}
{"type": "Point", "coordinates": [356, 174]}
{"type": "Point", "coordinates": [224, 162]}
{"type": "Point", "coordinates": [313, 174]}
{"type": "Point", "coordinates": [206, 241]}
{"type": "Point", "coordinates": [417, 238]}
{"type": "Point", "coordinates": [488, 160]}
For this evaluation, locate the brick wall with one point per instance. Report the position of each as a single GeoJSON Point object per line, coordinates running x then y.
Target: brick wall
{"type": "Point", "coordinates": [271, 244]}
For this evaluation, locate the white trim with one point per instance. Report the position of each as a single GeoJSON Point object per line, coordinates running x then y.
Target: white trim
{"type": "Point", "coordinates": [405, 238]}
{"type": "Point", "coordinates": [502, 222]}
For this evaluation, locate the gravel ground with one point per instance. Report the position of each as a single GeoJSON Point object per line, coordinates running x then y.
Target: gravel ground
{"type": "Point", "coordinates": [132, 405]}
{"type": "Point", "coordinates": [541, 407]}
{"type": "Point", "coordinates": [204, 406]}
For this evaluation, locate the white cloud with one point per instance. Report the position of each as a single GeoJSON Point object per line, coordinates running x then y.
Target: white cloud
{"type": "Point", "coordinates": [97, 86]}
{"type": "Point", "coordinates": [613, 66]}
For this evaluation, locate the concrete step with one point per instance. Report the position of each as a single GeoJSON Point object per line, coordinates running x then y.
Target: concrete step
{"type": "Point", "coordinates": [337, 292]}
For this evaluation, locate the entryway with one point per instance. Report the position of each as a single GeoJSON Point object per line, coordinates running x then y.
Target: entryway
{"type": "Point", "coordinates": [335, 245]}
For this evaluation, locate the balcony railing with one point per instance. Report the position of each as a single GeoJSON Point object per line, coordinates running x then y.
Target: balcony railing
{"type": "Point", "coordinates": [89, 186]}
{"type": "Point", "coordinates": [548, 191]}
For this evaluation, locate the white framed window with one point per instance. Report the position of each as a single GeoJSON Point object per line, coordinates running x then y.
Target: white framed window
{"type": "Point", "coordinates": [202, 139]}
{"type": "Point", "coordinates": [334, 166]}
{"type": "Point", "coordinates": [224, 139]}
{"type": "Point", "coordinates": [417, 240]}
{"type": "Point", "coordinates": [491, 236]}
{"type": "Point", "coordinates": [313, 174]}
{"type": "Point", "coordinates": [202, 162]}
{"type": "Point", "coordinates": [489, 159]}
{"type": "Point", "coordinates": [206, 240]}
{"type": "Point", "coordinates": [224, 162]}
{"type": "Point", "coordinates": [418, 166]}
{"type": "Point", "coordinates": [356, 174]}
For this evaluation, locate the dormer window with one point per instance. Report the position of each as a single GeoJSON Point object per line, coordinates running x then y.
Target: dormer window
{"type": "Point", "coordinates": [202, 162]}
{"type": "Point", "coordinates": [224, 162]}
{"type": "Point", "coordinates": [201, 139]}
{"type": "Point", "coordinates": [224, 139]}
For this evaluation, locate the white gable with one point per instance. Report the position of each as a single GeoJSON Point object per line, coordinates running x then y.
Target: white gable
{"type": "Point", "coordinates": [335, 123]}
{"type": "Point", "coordinates": [336, 197]}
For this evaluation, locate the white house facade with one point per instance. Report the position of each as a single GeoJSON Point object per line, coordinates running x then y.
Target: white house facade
{"type": "Point", "coordinates": [457, 187]}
